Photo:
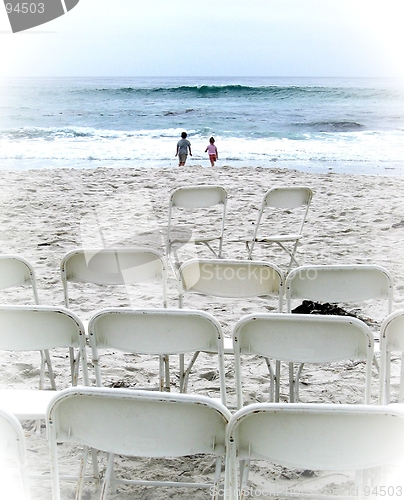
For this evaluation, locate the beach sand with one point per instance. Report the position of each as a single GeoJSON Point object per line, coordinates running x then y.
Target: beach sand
{"type": "Point", "coordinates": [45, 213]}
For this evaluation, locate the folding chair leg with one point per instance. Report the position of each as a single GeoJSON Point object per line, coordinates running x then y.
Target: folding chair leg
{"type": "Point", "coordinates": [184, 376]}
{"type": "Point", "coordinates": [42, 370]}
{"type": "Point", "coordinates": [167, 372]}
{"type": "Point", "coordinates": [249, 250]}
{"type": "Point", "coordinates": [376, 363]}
{"type": "Point", "coordinates": [164, 373]}
{"type": "Point", "coordinates": [50, 369]}
{"type": "Point", "coordinates": [80, 483]}
{"type": "Point", "coordinates": [46, 361]}
{"type": "Point", "coordinates": [277, 380]}
{"type": "Point", "coordinates": [297, 389]}
{"type": "Point", "coordinates": [108, 473]}
{"type": "Point", "coordinates": [272, 380]}
{"type": "Point", "coordinates": [174, 265]}
{"type": "Point", "coordinates": [291, 254]}
{"type": "Point", "coordinates": [294, 382]}
{"type": "Point", "coordinates": [94, 458]}
{"type": "Point", "coordinates": [218, 470]}
{"type": "Point", "coordinates": [74, 365]}
{"type": "Point", "coordinates": [244, 473]}
{"type": "Point", "coordinates": [211, 249]}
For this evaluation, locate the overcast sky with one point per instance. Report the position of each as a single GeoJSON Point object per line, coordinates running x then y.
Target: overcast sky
{"type": "Point", "coordinates": [211, 38]}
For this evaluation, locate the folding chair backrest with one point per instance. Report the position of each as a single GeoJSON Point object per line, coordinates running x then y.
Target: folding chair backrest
{"type": "Point", "coordinates": [302, 338]}
{"type": "Point", "coordinates": [391, 340]}
{"type": "Point", "coordinates": [231, 278]}
{"type": "Point", "coordinates": [36, 328]}
{"type": "Point", "coordinates": [136, 423]}
{"type": "Point", "coordinates": [113, 267]}
{"type": "Point", "coordinates": [156, 332]}
{"type": "Point", "coordinates": [17, 271]}
{"type": "Point", "coordinates": [318, 436]}
{"type": "Point", "coordinates": [288, 197]}
{"type": "Point", "coordinates": [139, 423]}
{"type": "Point", "coordinates": [347, 283]}
{"type": "Point", "coordinates": [198, 197]}
{"type": "Point", "coordinates": [13, 449]}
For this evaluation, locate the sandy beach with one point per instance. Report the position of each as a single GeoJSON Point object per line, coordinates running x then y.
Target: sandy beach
{"type": "Point", "coordinates": [45, 213]}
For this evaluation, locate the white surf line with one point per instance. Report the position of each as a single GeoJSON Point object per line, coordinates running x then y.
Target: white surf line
{"type": "Point", "coordinates": [64, 6]}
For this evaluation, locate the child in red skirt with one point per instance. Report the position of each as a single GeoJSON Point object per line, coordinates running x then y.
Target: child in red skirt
{"type": "Point", "coordinates": [212, 150]}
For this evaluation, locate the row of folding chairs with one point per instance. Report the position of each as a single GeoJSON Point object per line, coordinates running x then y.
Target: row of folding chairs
{"type": "Point", "coordinates": [147, 331]}
{"type": "Point", "coordinates": [291, 338]}
{"type": "Point", "coordinates": [285, 206]}
{"type": "Point", "coordinates": [214, 277]}
{"type": "Point", "coordinates": [220, 278]}
{"type": "Point", "coordinates": [361, 438]}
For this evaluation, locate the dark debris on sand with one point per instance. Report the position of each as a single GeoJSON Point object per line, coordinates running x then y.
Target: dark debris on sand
{"type": "Point", "coordinates": [310, 307]}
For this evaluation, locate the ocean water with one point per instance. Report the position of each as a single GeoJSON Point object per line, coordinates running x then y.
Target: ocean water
{"type": "Point", "coordinates": [311, 124]}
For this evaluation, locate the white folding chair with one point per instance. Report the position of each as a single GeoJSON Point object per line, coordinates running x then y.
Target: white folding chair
{"type": "Point", "coordinates": [301, 338]}
{"type": "Point", "coordinates": [353, 284]}
{"type": "Point", "coordinates": [317, 437]}
{"type": "Point", "coordinates": [122, 267]}
{"type": "Point", "coordinates": [13, 459]}
{"type": "Point", "coordinates": [290, 206]}
{"type": "Point", "coordinates": [231, 279]}
{"type": "Point", "coordinates": [391, 341]}
{"type": "Point", "coordinates": [136, 423]}
{"type": "Point", "coordinates": [37, 328]}
{"type": "Point", "coordinates": [16, 271]}
{"type": "Point", "coordinates": [189, 201]}
{"type": "Point", "coordinates": [156, 332]}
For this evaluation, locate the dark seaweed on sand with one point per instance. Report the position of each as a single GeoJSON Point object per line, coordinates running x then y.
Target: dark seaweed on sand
{"type": "Point", "coordinates": [310, 307]}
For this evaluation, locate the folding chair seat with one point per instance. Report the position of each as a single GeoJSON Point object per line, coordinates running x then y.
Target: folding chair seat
{"type": "Point", "coordinates": [288, 208]}
{"type": "Point", "coordinates": [193, 202]}
{"type": "Point", "coordinates": [156, 332]}
{"type": "Point", "coordinates": [15, 271]}
{"type": "Point", "coordinates": [37, 328]}
{"type": "Point", "coordinates": [391, 341]}
{"type": "Point", "coordinates": [136, 424]}
{"type": "Point", "coordinates": [317, 437]}
{"type": "Point", "coordinates": [13, 459]}
{"type": "Point", "coordinates": [300, 338]}
{"type": "Point", "coordinates": [107, 269]}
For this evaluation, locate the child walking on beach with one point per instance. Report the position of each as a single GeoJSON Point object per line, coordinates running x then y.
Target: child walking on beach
{"type": "Point", "coordinates": [183, 145]}
{"type": "Point", "coordinates": [212, 150]}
